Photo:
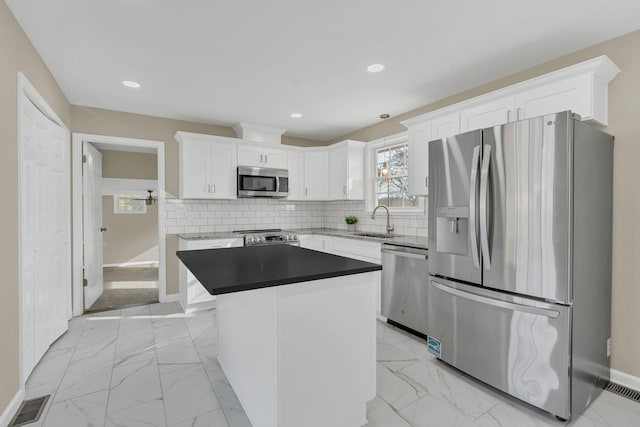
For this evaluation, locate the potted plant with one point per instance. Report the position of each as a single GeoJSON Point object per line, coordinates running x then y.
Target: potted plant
{"type": "Point", "coordinates": [351, 222]}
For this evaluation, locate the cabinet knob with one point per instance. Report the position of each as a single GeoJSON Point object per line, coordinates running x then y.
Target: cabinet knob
{"type": "Point", "coordinates": [261, 157]}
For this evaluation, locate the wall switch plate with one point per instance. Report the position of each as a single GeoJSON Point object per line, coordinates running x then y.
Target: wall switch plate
{"type": "Point", "coordinates": [609, 347]}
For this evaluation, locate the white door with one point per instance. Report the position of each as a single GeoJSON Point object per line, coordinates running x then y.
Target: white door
{"type": "Point", "coordinates": [44, 234]}
{"type": "Point", "coordinates": [92, 223]}
{"type": "Point", "coordinates": [295, 163]}
{"type": "Point", "coordinates": [195, 166]}
{"type": "Point", "coordinates": [275, 158]}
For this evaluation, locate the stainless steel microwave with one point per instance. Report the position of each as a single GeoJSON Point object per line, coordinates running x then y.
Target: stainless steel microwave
{"type": "Point", "coordinates": [262, 182]}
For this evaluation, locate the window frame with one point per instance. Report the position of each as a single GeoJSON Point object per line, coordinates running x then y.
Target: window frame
{"type": "Point", "coordinates": [130, 196]}
{"type": "Point", "coordinates": [371, 175]}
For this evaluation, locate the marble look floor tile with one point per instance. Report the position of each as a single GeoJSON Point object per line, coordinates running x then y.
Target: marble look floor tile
{"type": "Point", "coordinates": [96, 342]}
{"type": "Point", "coordinates": [210, 419]}
{"type": "Point", "coordinates": [134, 384]}
{"type": "Point", "coordinates": [233, 411]}
{"type": "Point", "coordinates": [470, 399]}
{"type": "Point", "coordinates": [49, 371]}
{"type": "Point", "coordinates": [169, 329]}
{"type": "Point", "coordinates": [139, 310]}
{"type": "Point", "coordinates": [180, 350]}
{"type": "Point", "coordinates": [429, 411]}
{"type": "Point", "coordinates": [612, 410]}
{"type": "Point", "coordinates": [187, 392]}
{"type": "Point", "coordinates": [84, 411]}
{"type": "Point", "coordinates": [86, 376]}
{"type": "Point", "coordinates": [133, 348]}
{"type": "Point", "coordinates": [394, 390]}
{"type": "Point", "coordinates": [416, 347]}
{"type": "Point", "coordinates": [165, 309]}
{"type": "Point", "coordinates": [381, 414]}
{"type": "Point", "coordinates": [135, 325]}
{"type": "Point", "coordinates": [208, 357]}
{"type": "Point", "coordinates": [390, 334]}
{"type": "Point", "coordinates": [69, 339]}
{"type": "Point", "coordinates": [109, 313]}
{"type": "Point", "coordinates": [148, 414]}
{"type": "Point", "coordinates": [390, 353]}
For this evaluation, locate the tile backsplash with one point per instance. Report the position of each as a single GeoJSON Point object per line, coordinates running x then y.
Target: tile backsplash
{"type": "Point", "coordinates": [207, 216]}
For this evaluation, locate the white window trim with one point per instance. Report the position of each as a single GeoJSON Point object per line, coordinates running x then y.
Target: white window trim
{"type": "Point", "coordinates": [370, 172]}
{"type": "Point", "coordinates": [116, 206]}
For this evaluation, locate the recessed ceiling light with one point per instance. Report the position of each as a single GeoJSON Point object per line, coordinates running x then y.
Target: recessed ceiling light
{"type": "Point", "coordinates": [296, 115]}
{"type": "Point", "coordinates": [384, 116]}
{"type": "Point", "coordinates": [375, 68]}
{"type": "Point", "coordinates": [130, 83]}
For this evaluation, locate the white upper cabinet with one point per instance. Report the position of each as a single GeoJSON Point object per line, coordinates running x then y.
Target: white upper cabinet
{"type": "Point", "coordinates": [493, 113]}
{"type": "Point", "coordinates": [445, 126]}
{"type": "Point", "coordinates": [295, 163]}
{"type": "Point", "coordinates": [261, 155]}
{"type": "Point", "coordinates": [581, 88]}
{"type": "Point", "coordinates": [346, 171]}
{"type": "Point", "coordinates": [419, 136]}
{"type": "Point", "coordinates": [207, 166]}
{"type": "Point", "coordinates": [316, 167]}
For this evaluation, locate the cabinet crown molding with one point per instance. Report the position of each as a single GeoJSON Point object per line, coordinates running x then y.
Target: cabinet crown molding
{"type": "Point", "coordinates": [258, 133]}
{"type": "Point", "coordinates": [601, 67]}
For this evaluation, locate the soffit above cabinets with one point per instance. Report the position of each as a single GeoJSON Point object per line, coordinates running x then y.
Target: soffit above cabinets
{"type": "Point", "coordinates": [259, 62]}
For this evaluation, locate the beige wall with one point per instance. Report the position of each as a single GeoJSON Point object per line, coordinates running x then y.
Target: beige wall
{"type": "Point", "coordinates": [624, 124]}
{"type": "Point", "coordinates": [129, 165]}
{"type": "Point", "coordinates": [17, 54]}
{"type": "Point", "coordinates": [129, 237]}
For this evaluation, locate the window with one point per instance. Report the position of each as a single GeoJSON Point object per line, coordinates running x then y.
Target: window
{"type": "Point", "coordinates": [129, 204]}
{"type": "Point", "coordinates": [388, 176]}
{"type": "Point", "coordinates": [392, 176]}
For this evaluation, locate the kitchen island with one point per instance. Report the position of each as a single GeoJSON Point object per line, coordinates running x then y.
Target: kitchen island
{"type": "Point", "coordinates": [296, 332]}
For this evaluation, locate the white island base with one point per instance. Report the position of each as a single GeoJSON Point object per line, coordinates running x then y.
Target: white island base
{"type": "Point", "coordinates": [304, 354]}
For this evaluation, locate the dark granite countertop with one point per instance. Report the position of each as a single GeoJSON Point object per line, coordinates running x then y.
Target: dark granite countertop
{"type": "Point", "coordinates": [412, 241]}
{"type": "Point", "coordinates": [229, 270]}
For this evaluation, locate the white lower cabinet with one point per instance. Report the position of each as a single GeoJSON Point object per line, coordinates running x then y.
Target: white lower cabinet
{"type": "Point", "coordinates": [351, 248]}
{"type": "Point", "coordinates": [312, 241]}
{"type": "Point", "coordinates": [193, 295]}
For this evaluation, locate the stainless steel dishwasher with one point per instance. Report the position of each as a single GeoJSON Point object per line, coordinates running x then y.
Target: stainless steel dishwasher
{"type": "Point", "coordinates": [404, 287]}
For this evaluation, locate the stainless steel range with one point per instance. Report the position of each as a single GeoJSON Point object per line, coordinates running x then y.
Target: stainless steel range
{"type": "Point", "coordinates": [269, 237]}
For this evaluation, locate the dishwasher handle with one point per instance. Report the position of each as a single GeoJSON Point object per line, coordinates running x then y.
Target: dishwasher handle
{"type": "Point", "coordinates": [405, 254]}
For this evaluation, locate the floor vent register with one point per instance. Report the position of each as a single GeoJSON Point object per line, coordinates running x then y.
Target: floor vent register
{"type": "Point", "coordinates": [621, 390]}
{"type": "Point", "coordinates": [29, 412]}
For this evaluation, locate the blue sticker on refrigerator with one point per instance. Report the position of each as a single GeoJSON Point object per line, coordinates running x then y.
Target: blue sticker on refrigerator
{"type": "Point", "coordinates": [433, 345]}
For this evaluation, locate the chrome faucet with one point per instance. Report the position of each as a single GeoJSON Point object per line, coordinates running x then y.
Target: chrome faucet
{"type": "Point", "coordinates": [373, 216]}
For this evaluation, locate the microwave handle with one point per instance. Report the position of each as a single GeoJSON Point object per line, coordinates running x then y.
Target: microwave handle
{"type": "Point", "coordinates": [277, 184]}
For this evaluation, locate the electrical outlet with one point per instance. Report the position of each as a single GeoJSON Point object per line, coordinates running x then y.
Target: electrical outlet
{"type": "Point", "coordinates": [609, 347]}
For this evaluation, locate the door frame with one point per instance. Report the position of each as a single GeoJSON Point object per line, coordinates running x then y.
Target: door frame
{"type": "Point", "coordinates": [125, 144]}
{"type": "Point", "coordinates": [28, 93]}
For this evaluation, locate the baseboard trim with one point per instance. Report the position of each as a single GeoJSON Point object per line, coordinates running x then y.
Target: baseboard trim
{"type": "Point", "coordinates": [171, 298]}
{"type": "Point", "coordinates": [12, 408]}
{"type": "Point", "coordinates": [625, 379]}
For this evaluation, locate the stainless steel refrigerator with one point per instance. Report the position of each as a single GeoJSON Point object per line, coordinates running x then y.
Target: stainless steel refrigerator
{"type": "Point", "coordinates": [519, 294]}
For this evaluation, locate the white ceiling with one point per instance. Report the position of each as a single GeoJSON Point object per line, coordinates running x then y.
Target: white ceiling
{"type": "Point", "coordinates": [257, 61]}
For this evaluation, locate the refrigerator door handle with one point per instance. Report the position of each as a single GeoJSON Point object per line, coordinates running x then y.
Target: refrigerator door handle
{"type": "Point", "coordinates": [484, 207]}
{"type": "Point", "coordinates": [473, 198]}
{"type": "Point", "coordinates": [496, 303]}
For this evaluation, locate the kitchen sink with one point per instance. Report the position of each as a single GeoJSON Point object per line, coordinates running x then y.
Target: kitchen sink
{"type": "Point", "coordinates": [379, 235]}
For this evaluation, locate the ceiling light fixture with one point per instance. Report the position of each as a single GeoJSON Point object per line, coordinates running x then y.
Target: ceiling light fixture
{"type": "Point", "coordinates": [375, 68]}
{"type": "Point", "coordinates": [296, 115]}
{"type": "Point", "coordinates": [131, 84]}
{"type": "Point", "coordinates": [150, 201]}
{"type": "Point", "coordinates": [384, 116]}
